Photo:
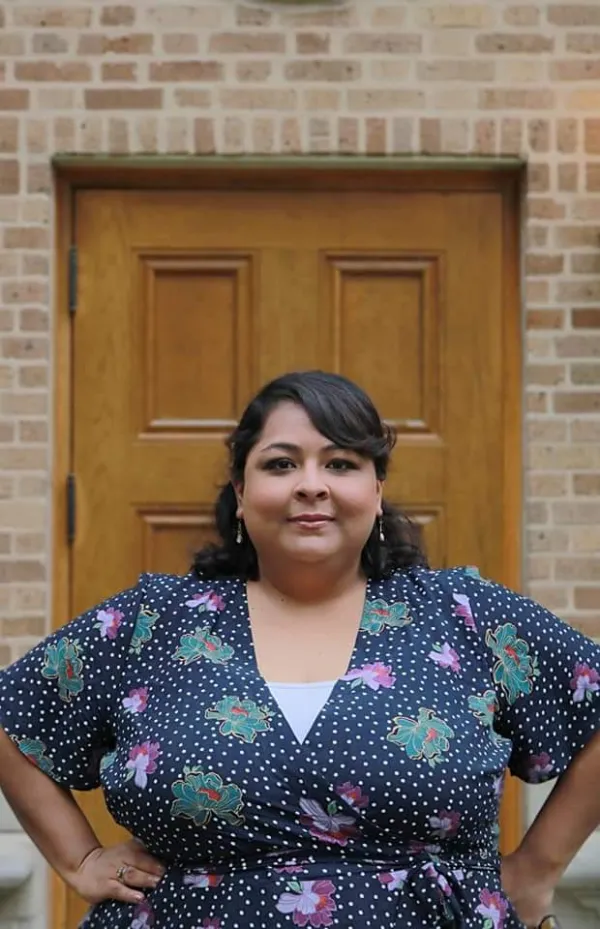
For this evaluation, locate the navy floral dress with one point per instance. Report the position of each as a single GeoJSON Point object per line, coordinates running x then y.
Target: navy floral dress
{"type": "Point", "coordinates": [386, 815]}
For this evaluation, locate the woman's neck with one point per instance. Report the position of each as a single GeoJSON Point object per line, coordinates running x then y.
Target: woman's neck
{"type": "Point", "coordinates": [308, 584]}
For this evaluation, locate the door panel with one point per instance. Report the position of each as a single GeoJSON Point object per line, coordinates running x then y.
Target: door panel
{"type": "Point", "coordinates": [190, 300]}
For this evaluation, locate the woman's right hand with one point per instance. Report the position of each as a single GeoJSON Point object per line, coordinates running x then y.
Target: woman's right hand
{"type": "Point", "coordinates": [97, 877]}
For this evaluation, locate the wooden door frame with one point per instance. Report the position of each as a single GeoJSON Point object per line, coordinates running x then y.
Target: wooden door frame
{"type": "Point", "coordinates": [75, 173]}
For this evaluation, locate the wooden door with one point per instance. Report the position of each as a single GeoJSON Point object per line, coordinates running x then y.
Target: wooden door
{"type": "Point", "coordinates": [189, 300]}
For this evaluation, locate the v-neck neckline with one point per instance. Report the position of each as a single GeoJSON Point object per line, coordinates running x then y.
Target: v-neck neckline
{"type": "Point", "coordinates": [263, 684]}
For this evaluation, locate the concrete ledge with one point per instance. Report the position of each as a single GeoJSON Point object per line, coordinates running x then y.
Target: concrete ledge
{"type": "Point", "coordinates": [16, 860]}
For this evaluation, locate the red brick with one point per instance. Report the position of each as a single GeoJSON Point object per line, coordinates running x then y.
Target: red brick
{"type": "Point", "coordinates": [170, 71]}
{"type": "Point", "coordinates": [522, 15]}
{"type": "Point", "coordinates": [11, 44]}
{"type": "Point", "coordinates": [14, 99]}
{"type": "Point", "coordinates": [576, 402]}
{"type": "Point", "coordinates": [538, 177]}
{"type": "Point", "coordinates": [253, 71]}
{"type": "Point", "coordinates": [27, 237]}
{"type": "Point", "coordinates": [312, 43]}
{"type": "Point", "coordinates": [585, 264]}
{"type": "Point", "coordinates": [575, 70]}
{"type": "Point", "coordinates": [117, 16]}
{"type": "Point", "coordinates": [147, 99]}
{"type": "Point", "coordinates": [49, 43]}
{"type": "Point", "coordinates": [134, 44]}
{"type": "Point", "coordinates": [244, 43]}
{"type": "Point", "coordinates": [52, 17]}
{"type": "Point", "coordinates": [544, 264]}
{"type": "Point", "coordinates": [569, 14]}
{"type": "Point", "coordinates": [583, 43]}
{"type": "Point", "coordinates": [586, 318]}
{"type": "Point", "coordinates": [528, 43]}
{"type": "Point", "coordinates": [324, 69]}
{"type": "Point", "coordinates": [9, 176]}
{"type": "Point", "coordinates": [539, 135]}
{"type": "Point", "coordinates": [567, 135]}
{"type": "Point", "coordinates": [252, 16]}
{"type": "Point", "coordinates": [9, 134]}
{"type": "Point", "coordinates": [585, 374]}
{"type": "Point", "coordinates": [430, 136]}
{"type": "Point", "coordinates": [578, 346]}
{"type": "Point", "coordinates": [587, 598]}
{"type": "Point", "coordinates": [53, 71]}
{"type": "Point", "coordinates": [204, 136]}
{"type": "Point", "coordinates": [383, 43]}
{"type": "Point", "coordinates": [513, 99]}
{"type": "Point", "coordinates": [119, 71]}
{"type": "Point", "coordinates": [180, 43]}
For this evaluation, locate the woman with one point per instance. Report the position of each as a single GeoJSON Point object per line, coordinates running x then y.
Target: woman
{"type": "Point", "coordinates": [310, 728]}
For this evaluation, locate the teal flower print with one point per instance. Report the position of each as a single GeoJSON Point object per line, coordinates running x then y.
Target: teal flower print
{"type": "Point", "coordinates": [201, 796]}
{"type": "Point", "coordinates": [473, 572]}
{"type": "Point", "coordinates": [484, 708]}
{"type": "Point", "coordinates": [142, 632]}
{"type": "Point", "coordinates": [240, 718]}
{"type": "Point", "coordinates": [202, 644]}
{"type": "Point", "coordinates": [378, 614]}
{"type": "Point", "coordinates": [62, 663]}
{"type": "Point", "coordinates": [35, 752]}
{"type": "Point", "coordinates": [515, 669]}
{"type": "Point", "coordinates": [423, 738]}
{"type": "Point", "coordinates": [107, 761]}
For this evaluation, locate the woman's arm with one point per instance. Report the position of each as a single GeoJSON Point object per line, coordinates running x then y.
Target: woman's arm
{"type": "Point", "coordinates": [57, 826]}
{"type": "Point", "coordinates": [567, 819]}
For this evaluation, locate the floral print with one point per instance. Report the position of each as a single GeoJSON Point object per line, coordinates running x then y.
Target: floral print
{"type": "Point", "coordinates": [142, 762]}
{"type": "Point", "coordinates": [515, 669]}
{"type": "Point", "coordinates": [201, 644]}
{"type": "Point", "coordinates": [540, 767]}
{"type": "Point", "coordinates": [62, 663]}
{"type": "Point", "coordinates": [445, 824]}
{"type": "Point", "coordinates": [373, 676]}
{"type": "Point", "coordinates": [328, 825]}
{"type": "Point", "coordinates": [310, 903]}
{"type": "Point", "coordinates": [493, 907]}
{"type": "Point", "coordinates": [142, 631]}
{"type": "Point", "coordinates": [445, 657]}
{"type": "Point", "coordinates": [202, 879]}
{"type": "Point", "coordinates": [208, 602]}
{"type": "Point", "coordinates": [378, 614]}
{"type": "Point", "coordinates": [108, 622]}
{"type": "Point", "coordinates": [240, 718]}
{"type": "Point", "coordinates": [201, 796]}
{"type": "Point", "coordinates": [484, 707]}
{"type": "Point", "coordinates": [143, 916]}
{"type": "Point", "coordinates": [425, 737]}
{"type": "Point", "coordinates": [584, 683]}
{"type": "Point", "coordinates": [136, 701]}
{"type": "Point", "coordinates": [35, 752]}
{"type": "Point", "coordinates": [463, 609]}
{"type": "Point", "coordinates": [385, 815]}
{"type": "Point", "coordinates": [353, 796]}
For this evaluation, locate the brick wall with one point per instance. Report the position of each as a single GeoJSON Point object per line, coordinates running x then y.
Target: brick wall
{"type": "Point", "coordinates": [410, 76]}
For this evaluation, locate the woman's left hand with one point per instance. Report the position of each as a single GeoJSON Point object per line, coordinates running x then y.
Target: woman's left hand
{"type": "Point", "coordinates": [531, 894]}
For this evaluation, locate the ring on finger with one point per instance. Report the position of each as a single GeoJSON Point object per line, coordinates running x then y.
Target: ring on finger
{"type": "Point", "coordinates": [121, 872]}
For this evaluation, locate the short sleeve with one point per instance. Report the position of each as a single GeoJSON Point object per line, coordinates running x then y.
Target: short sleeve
{"type": "Point", "coordinates": [58, 702]}
{"type": "Point", "coordinates": [546, 677]}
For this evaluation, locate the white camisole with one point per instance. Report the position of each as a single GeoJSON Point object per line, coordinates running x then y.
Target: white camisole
{"type": "Point", "coordinates": [301, 703]}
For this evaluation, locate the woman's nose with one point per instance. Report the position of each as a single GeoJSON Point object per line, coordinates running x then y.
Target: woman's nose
{"type": "Point", "coordinates": [312, 484]}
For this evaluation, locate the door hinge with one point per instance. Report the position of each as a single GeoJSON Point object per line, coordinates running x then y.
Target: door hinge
{"type": "Point", "coordinates": [73, 269]}
{"type": "Point", "coordinates": [71, 508]}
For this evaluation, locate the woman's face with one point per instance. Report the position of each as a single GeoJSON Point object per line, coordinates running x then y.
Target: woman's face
{"type": "Point", "coordinates": [303, 498]}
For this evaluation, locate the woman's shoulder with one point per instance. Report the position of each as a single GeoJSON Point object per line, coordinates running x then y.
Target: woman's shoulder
{"type": "Point", "coordinates": [429, 582]}
{"type": "Point", "coordinates": [164, 591]}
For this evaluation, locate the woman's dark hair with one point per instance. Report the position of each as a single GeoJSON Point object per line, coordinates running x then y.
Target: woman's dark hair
{"type": "Point", "coordinates": [345, 415]}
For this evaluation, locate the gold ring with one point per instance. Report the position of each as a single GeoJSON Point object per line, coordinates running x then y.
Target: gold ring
{"type": "Point", "coordinates": [121, 872]}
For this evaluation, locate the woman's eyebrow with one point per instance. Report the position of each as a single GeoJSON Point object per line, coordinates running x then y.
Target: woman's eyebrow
{"type": "Point", "coordinates": [291, 447]}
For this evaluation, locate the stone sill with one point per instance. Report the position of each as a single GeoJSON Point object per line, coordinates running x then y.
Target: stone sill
{"type": "Point", "coordinates": [16, 860]}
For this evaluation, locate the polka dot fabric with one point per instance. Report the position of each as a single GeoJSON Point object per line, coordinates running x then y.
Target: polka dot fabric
{"type": "Point", "coordinates": [386, 815]}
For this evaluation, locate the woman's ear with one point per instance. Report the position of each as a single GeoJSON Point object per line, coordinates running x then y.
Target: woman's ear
{"type": "Point", "coordinates": [238, 489]}
{"type": "Point", "coordinates": [380, 498]}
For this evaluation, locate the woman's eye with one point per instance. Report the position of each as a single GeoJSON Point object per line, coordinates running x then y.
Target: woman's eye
{"type": "Point", "coordinates": [279, 464]}
{"type": "Point", "coordinates": [342, 464]}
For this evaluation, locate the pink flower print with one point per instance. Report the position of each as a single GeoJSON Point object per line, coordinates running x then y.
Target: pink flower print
{"type": "Point", "coordinates": [463, 609]}
{"type": "Point", "coordinates": [289, 869]}
{"type": "Point", "coordinates": [445, 824]}
{"type": "Point", "coordinates": [584, 683]}
{"type": "Point", "coordinates": [352, 795]}
{"type": "Point", "coordinates": [310, 902]}
{"type": "Point", "coordinates": [417, 847]}
{"type": "Point", "coordinates": [498, 785]}
{"type": "Point", "coordinates": [328, 826]}
{"type": "Point", "coordinates": [539, 767]}
{"type": "Point", "coordinates": [446, 657]}
{"type": "Point", "coordinates": [209, 602]}
{"type": "Point", "coordinates": [137, 700]}
{"type": "Point", "coordinates": [493, 907]}
{"type": "Point", "coordinates": [108, 622]}
{"type": "Point", "coordinates": [142, 762]}
{"type": "Point", "coordinates": [393, 880]}
{"type": "Point", "coordinates": [208, 923]}
{"type": "Point", "coordinates": [202, 879]}
{"type": "Point", "coordinates": [143, 916]}
{"type": "Point", "coordinates": [373, 675]}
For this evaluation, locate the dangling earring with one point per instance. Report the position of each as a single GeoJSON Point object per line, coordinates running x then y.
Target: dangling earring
{"type": "Point", "coordinates": [239, 537]}
{"type": "Point", "coordinates": [381, 532]}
